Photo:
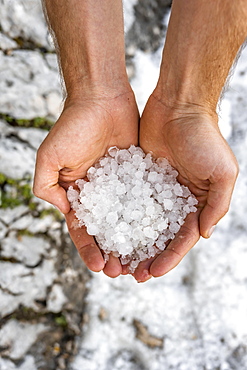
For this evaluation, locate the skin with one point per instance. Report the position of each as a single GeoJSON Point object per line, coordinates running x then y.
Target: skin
{"type": "Point", "coordinates": [179, 121]}
{"type": "Point", "coordinates": [100, 109]}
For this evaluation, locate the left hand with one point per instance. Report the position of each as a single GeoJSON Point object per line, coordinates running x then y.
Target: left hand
{"type": "Point", "coordinates": [190, 139]}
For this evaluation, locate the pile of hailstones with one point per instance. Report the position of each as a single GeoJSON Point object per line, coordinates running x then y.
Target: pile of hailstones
{"type": "Point", "coordinates": [132, 204]}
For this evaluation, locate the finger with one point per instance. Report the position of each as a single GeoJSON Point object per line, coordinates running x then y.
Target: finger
{"type": "Point", "coordinates": [46, 184]}
{"type": "Point", "coordinates": [142, 273]}
{"type": "Point", "coordinates": [185, 239]}
{"type": "Point", "coordinates": [218, 202]}
{"type": "Point", "coordinates": [85, 244]}
{"type": "Point", "coordinates": [125, 269]}
{"type": "Point", "coordinates": [113, 267]}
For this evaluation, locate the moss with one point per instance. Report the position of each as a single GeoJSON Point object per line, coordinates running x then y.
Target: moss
{"type": "Point", "coordinates": [51, 212]}
{"type": "Point", "coordinates": [14, 192]}
{"type": "Point", "coordinates": [38, 122]}
{"type": "Point", "coordinates": [61, 321]}
{"type": "Point", "coordinates": [21, 233]}
{"type": "Point", "coordinates": [8, 202]}
{"type": "Point", "coordinates": [32, 205]}
{"type": "Point", "coordinates": [2, 178]}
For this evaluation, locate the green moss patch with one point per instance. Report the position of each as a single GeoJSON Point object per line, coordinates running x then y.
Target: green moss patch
{"type": "Point", "coordinates": [14, 192]}
{"type": "Point", "coordinates": [38, 122]}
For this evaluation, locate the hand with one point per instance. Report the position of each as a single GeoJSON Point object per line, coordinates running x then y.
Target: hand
{"type": "Point", "coordinates": [82, 134]}
{"type": "Point", "coordinates": [190, 138]}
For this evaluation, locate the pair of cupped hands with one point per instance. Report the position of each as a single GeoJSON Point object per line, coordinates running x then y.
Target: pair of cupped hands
{"type": "Point", "coordinates": [186, 134]}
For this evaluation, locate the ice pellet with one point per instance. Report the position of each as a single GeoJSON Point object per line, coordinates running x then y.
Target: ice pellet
{"type": "Point", "coordinates": [132, 204]}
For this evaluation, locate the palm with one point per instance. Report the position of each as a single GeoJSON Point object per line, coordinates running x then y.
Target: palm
{"type": "Point", "coordinates": [82, 135]}
{"type": "Point", "coordinates": [195, 147]}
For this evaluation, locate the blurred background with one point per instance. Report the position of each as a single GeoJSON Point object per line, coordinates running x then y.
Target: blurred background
{"type": "Point", "coordinates": [54, 313]}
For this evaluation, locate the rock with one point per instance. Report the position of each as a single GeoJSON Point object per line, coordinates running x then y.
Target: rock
{"type": "Point", "coordinates": [40, 225]}
{"type": "Point", "coordinates": [32, 136]}
{"type": "Point", "coordinates": [6, 43]}
{"type": "Point", "coordinates": [26, 79]}
{"type": "Point", "coordinates": [8, 303]}
{"type": "Point", "coordinates": [18, 337]}
{"type": "Point", "coordinates": [148, 29]}
{"type": "Point", "coordinates": [27, 285]}
{"type": "Point", "coordinates": [6, 129]}
{"type": "Point", "coordinates": [28, 363]}
{"type": "Point", "coordinates": [125, 360]}
{"type": "Point", "coordinates": [22, 158]}
{"type": "Point", "coordinates": [56, 299]}
{"type": "Point", "coordinates": [52, 61]}
{"type": "Point", "coordinates": [25, 249]}
{"type": "Point", "coordinates": [129, 16]}
{"type": "Point", "coordinates": [3, 230]}
{"type": "Point", "coordinates": [22, 223]}
{"type": "Point", "coordinates": [9, 215]}
{"type": "Point", "coordinates": [7, 364]}
{"type": "Point", "coordinates": [54, 104]}
{"type": "Point", "coordinates": [25, 21]}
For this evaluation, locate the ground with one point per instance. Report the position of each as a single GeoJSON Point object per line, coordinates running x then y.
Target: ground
{"type": "Point", "coordinates": [54, 314]}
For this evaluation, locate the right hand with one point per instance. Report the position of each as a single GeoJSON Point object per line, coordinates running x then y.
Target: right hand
{"type": "Point", "coordinates": [82, 134]}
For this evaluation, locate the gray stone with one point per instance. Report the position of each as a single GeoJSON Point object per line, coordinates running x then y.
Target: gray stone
{"type": "Point", "coordinates": [25, 20]}
{"type": "Point", "coordinates": [7, 364]}
{"type": "Point", "coordinates": [25, 82]}
{"type": "Point", "coordinates": [18, 337]}
{"type": "Point", "coordinates": [26, 285]}
{"type": "Point", "coordinates": [56, 299]}
{"type": "Point", "coordinates": [22, 223]}
{"type": "Point", "coordinates": [8, 303]}
{"type": "Point", "coordinates": [25, 249]}
{"type": "Point", "coordinates": [9, 215]}
{"type": "Point", "coordinates": [52, 61]}
{"type": "Point", "coordinates": [33, 136]}
{"type": "Point", "coordinates": [147, 31]}
{"type": "Point", "coordinates": [22, 158]}
{"type": "Point", "coordinates": [3, 230]}
{"type": "Point", "coordinates": [6, 43]}
{"type": "Point", "coordinates": [40, 225]}
{"type": "Point", "coordinates": [54, 104]}
{"type": "Point", "coordinates": [6, 129]}
{"type": "Point", "coordinates": [28, 363]}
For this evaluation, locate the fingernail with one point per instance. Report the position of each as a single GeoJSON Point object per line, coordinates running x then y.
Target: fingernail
{"type": "Point", "coordinates": [210, 232]}
{"type": "Point", "coordinates": [145, 276]}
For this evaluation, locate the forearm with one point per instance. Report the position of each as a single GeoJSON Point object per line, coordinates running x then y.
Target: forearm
{"type": "Point", "coordinates": [202, 42]}
{"type": "Point", "coordinates": [90, 41]}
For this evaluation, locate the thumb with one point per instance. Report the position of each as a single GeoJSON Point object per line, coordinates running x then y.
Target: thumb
{"type": "Point", "coordinates": [218, 202]}
{"type": "Point", "coordinates": [46, 186]}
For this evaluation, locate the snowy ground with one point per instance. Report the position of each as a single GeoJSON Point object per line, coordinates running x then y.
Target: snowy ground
{"type": "Point", "coordinates": [194, 318]}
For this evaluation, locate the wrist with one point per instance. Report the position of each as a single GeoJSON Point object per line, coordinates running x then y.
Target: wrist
{"type": "Point", "coordinates": [92, 87]}
{"type": "Point", "coordinates": [96, 91]}
{"type": "Point", "coordinates": [184, 90]}
{"type": "Point", "coordinates": [177, 103]}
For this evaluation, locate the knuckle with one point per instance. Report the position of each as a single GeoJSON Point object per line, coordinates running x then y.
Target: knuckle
{"type": "Point", "coordinates": [225, 208]}
{"type": "Point", "coordinates": [233, 171]}
{"type": "Point", "coordinates": [37, 191]}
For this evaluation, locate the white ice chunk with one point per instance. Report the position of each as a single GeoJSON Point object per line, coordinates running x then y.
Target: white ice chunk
{"type": "Point", "coordinates": [112, 218]}
{"type": "Point", "coordinates": [178, 190]}
{"type": "Point", "coordinates": [132, 204]}
{"type": "Point", "coordinates": [92, 229]}
{"type": "Point", "coordinates": [152, 176]}
{"type": "Point", "coordinates": [168, 204]}
{"type": "Point", "coordinates": [174, 227]}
